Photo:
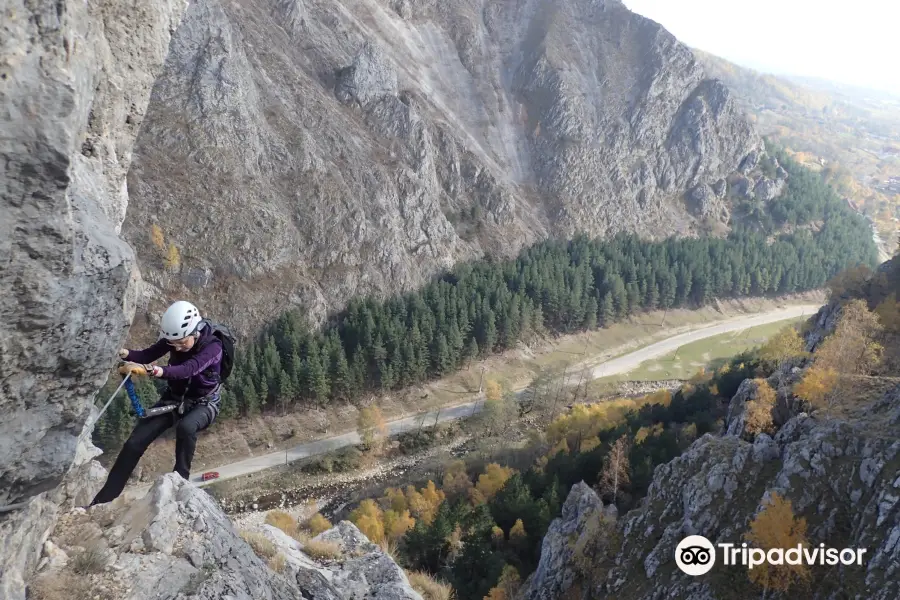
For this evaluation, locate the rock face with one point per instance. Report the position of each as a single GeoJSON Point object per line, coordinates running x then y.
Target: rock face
{"type": "Point", "coordinates": [556, 573]}
{"type": "Point", "coordinates": [298, 153]}
{"type": "Point", "coordinates": [177, 542]}
{"type": "Point", "coordinates": [840, 475]}
{"type": "Point", "coordinates": [76, 77]}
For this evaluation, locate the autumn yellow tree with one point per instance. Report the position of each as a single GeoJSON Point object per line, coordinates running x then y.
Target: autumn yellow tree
{"type": "Point", "coordinates": [372, 428]}
{"type": "Point", "coordinates": [590, 444]}
{"type": "Point", "coordinates": [817, 386]}
{"type": "Point", "coordinates": [489, 483]}
{"type": "Point", "coordinates": [616, 469]}
{"type": "Point", "coordinates": [499, 410]}
{"type": "Point", "coordinates": [849, 282]}
{"type": "Point", "coordinates": [394, 499]}
{"type": "Point", "coordinates": [316, 524]}
{"type": "Point", "coordinates": [497, 537]}
{"type": "Point", "coordinates": [852, 347]}
{"type": "Point", "coordinates": [397, 524]}
{"type": "Point", "coordinates": [758, 411]}
{"type": "Point", "coordinates": [369, 518]}
{"type": "Point", "coordinates": [888, 311]}
{"type": "Point", "coordinates": [456, 480]}
{"type": "Point", "coordinates": [776, 527]}
{"type": "Point", "coordinates": [157, 237]}
{"type": "Point", "coordinates": [493, 391]}
{"type": "Point", "coordinates": [424, 504]}
{"type": "Point", "coordinates": [783, 346]}
{"type": "Point", "coordinates": [508, 585]}
{"type": "Point", "coordinates": [647, 431]}
{"type": "Point", "coordinates": [517, 533]}
{"type": "Point", "coordinates": [173, 258]}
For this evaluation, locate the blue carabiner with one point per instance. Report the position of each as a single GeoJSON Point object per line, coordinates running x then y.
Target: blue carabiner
{"type": "Point", "coordinates": [135, 401]}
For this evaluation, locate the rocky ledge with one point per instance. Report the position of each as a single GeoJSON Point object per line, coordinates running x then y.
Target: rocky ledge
{"type": "Point", "coordinates": [176, 543]}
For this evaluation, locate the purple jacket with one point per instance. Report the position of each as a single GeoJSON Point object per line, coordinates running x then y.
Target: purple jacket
{"type": "Point", "coordinates": [192, 374]}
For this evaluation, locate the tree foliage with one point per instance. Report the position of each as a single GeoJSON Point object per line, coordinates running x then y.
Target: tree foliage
{"type": "Point", "coordinates": [776, 527]}
{"type": "Point", "coordinates": [853, 347]}
{"type": "Point", "coordinates": [489, 483]}
{"type": "Point", "coordinates": [758, 417]}
{"type": "Point", "coordinates": [783, 346]}
{"type": "Point", "coordinates": [372, 428]}
{"type": "Point", "coordinates": [369, 518]}
{"type": "Point", "coordinates": [817, 386]}
{"type": "Point", "coordinates": [479, 532]}
{"type": "Point", "coordinates": [508, 586]}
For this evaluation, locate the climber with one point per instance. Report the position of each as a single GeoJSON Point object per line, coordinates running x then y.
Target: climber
{"type": "Point", "coordinates": [193, 377]}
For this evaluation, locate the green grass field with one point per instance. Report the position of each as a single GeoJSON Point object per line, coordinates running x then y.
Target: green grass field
{"type": "Point", "coordinates": [710, 353]}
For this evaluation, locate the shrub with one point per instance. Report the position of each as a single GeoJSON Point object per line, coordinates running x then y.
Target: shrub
{"type": "Point", "coordinates": [90, 560]}
{"type": "Point", "coordinates": [316, 524]}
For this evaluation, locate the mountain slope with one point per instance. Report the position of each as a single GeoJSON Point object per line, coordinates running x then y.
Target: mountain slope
{"type": "Point", "coordinates": [303, 152]}
{"type": "Point", "coordinates": [836, 462]}
{"type": "Point", "coordinates": [853, 135]}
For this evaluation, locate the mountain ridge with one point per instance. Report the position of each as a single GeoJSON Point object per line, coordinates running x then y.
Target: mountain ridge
{"type": "Point", "coordinates": [363, 147]}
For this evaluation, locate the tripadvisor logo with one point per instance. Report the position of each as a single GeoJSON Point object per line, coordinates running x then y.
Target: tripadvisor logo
{"type": "Point", "coordinates": [695, 555]}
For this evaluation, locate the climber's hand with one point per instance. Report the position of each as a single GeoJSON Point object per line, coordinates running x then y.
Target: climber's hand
{"type": "Point", "coordinates": [134, 369]}
{"type": "Point", "coordinates": [123, 353]}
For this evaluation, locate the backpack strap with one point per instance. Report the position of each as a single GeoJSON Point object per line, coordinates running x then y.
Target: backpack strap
{"type": "Point", "coordinates": [209, 372]}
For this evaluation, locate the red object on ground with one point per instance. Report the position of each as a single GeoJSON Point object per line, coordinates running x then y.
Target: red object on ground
{"type": "Point", "coordinates": [210, 475]}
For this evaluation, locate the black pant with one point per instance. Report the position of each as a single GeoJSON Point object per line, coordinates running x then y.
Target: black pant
{"type": "Point", "coordinates": [147, 430]}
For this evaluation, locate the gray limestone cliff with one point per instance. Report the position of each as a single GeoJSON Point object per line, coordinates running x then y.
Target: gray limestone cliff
{"type": "Point", "coordinates": [75, 78]}
{"type": "Point", "coordinates": [301, 152]}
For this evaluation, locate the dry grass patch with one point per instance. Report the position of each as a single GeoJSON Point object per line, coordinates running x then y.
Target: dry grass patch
{"type": "Point", "coordinates": [90, 560]}
{"type": "Point", "coordinates": [321, 549]}
{"type": "Point", "coordinates": [429, 587]}
{"type": "Point", "coordinates": [277, 563]}
{"type": "Point", "coordinates": [391, 548]}
{"type": "Point", "coordinates": [263, 547]}
{"type": "Point", "coordinates": [61, 585]}
{"type": "Point", "coordinates": [283, 521]}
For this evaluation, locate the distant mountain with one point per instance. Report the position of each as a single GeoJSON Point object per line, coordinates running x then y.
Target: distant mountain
{"type": "Point", "coordinates": [301, 153]}
{"type": "Point", "coordinates": [851, 133]}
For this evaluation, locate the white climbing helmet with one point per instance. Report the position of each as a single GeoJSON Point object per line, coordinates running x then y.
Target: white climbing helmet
{"type": "Point", "coordinates": [179, 321]}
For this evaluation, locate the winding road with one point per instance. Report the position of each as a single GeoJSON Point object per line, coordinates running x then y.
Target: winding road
{"type": "Point", "coordinates": [616, 366]}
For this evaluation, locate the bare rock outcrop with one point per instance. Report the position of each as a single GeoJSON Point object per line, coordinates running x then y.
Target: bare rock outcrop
{"type": "Point", "coordinates": [839, 472]}
{"type": "Point", "coordinates": [178, 542]}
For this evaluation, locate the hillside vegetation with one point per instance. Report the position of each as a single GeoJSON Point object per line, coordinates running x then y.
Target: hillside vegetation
{"type": "Point", "coordinates": [481, 527]}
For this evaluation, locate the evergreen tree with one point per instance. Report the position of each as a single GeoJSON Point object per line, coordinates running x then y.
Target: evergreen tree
{"type": "Point", "coordinates": [317, 379]}
{"type": "Point", "coordinates": [607, 310]}
{"type": "Point", "coordinates": [341, 379]}
{"type": "Point", "coordinates": [590, 315]}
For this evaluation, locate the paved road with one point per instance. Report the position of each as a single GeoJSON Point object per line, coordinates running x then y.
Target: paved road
{"type": "Point", "coordinates": [622, 364]}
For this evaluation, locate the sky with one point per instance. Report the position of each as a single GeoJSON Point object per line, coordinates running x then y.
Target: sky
{"type": "Point", "coordinates": [852, 42]}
